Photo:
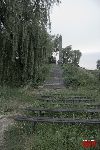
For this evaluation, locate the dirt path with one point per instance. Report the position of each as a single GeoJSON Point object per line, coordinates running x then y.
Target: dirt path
{"type": "Point", "coordinates": [5, 121]}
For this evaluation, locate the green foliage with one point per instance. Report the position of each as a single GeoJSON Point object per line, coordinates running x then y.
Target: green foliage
{"type": "Point", "coordinates": [77, 77]}
{"type": "Point", "coordinates": [71, 56]}
{"type": "Point", "coordinates": [57, 42]}
{"type": "Point", "coordinates": [76, 55]}
{"type": "Point", "coordinates": [48, 136]}
{"type": "Point", "coordinates": [67, 54]}
{"type": "Point", "coordinates": [72, 81]}
{"type": "Point", "coordinates": [42, 74]}
{"type": "Point", "coordinates": [24, 41]}
{"type": "Point", "coordinates": [98, 64]}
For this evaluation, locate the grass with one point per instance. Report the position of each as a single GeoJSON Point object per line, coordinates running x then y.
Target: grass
{"type": "Point", "coordinates": [46, 136]}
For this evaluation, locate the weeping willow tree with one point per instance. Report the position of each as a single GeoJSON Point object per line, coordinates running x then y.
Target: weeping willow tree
{"type": "Point", "coordinates": [24, 41]}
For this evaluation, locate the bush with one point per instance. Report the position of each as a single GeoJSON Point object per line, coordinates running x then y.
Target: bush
{"type": "Point", "coordinates": [43, 73]}
{"type": "Point", "coordinates": [71, 81]}
{"type": "Point", "coordinates": [75, 77]}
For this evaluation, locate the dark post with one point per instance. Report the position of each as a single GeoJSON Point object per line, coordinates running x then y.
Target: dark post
{"type": "Point", "coordinates": [60, 49]}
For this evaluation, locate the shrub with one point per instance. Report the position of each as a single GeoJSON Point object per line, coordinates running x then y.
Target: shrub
{"type": "Point", "coordinates": [75, 76]}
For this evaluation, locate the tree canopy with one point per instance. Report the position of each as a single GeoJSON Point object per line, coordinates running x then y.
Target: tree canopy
{"type": "Point", "coordinates": [24, 41]}
{"type": "Point", "coordinates": [71, 56]}
{"type": "Point", "coordinates": [98, 64]}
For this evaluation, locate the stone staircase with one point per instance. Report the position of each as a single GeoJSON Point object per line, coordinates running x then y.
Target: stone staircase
{"type": "Point", "coordinates": [55, 80]}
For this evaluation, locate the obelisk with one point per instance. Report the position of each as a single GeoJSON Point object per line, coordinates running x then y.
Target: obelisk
{"type": "Point", "coordinates": [60, 49]}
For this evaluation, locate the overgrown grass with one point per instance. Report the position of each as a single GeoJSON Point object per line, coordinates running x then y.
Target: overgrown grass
{"type": "Point", "coordinates": [42, 74]}
{"type": "Point", "coordinates": [46, 136]}
{"type": "Point", "coordinates": [77, 77]}
{"type": "Point", "coordinates": [24, 136]}
{"type": "Point", "coordinates": [11, 99]}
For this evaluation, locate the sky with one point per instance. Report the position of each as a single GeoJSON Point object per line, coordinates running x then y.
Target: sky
{"type": "Point", "coordinates": [78, 21]}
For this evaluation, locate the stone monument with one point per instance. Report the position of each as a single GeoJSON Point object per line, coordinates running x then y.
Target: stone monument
{"type": "Point", "coordinates": [60, 49]}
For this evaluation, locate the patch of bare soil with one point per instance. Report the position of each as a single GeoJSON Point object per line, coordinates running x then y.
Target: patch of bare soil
{"type": "Point", "coordinates": [5, 121]}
